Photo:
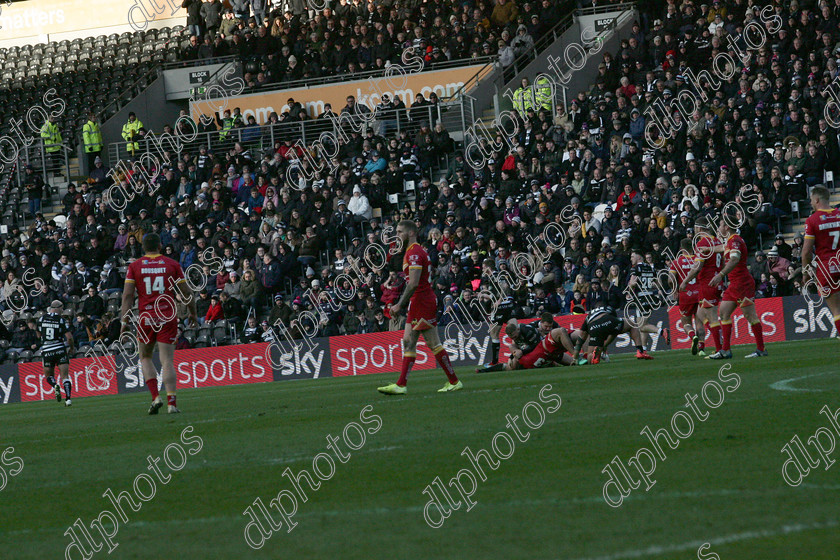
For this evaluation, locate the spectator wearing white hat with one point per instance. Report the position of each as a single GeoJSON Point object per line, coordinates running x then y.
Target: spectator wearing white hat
{"type": "Point", "coordinates": [359, 206]}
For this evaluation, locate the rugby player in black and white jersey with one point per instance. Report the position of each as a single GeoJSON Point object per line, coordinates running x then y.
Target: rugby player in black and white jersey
{"type": "Point", "coordinates": [647, 298]}
{"type": "Point", "coordinates": [501, 313]}
{"type": "Point", "coordinates": [601, 327]}
{"type": "Point", "coordinates": [56, 346]}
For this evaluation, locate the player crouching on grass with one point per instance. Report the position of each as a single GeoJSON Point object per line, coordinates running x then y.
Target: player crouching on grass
{"type": "Point", "coordinates": [602, 326]}
{"type": "Point", "coordinates": [155, 279]}
{"type": "Point", "coordinates": [54, 333]}
{"type": "Point", "coordinates": [422, 313]}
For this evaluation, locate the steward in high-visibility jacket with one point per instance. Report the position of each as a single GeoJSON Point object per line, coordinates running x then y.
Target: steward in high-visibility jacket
{"type": "Point", "coordinates": [51, 136]}
{"type": "Point", "coordinates": [130, 132]}
{"type": "Point", "coordinates": [227, 124]}
{"type": "Point", "coordinates": [543, 94]}
{"type": "Point", "coordinates": [523, 98]}
{"type": "Point", "coordinates": [92, 138]}
{"type": "Point", "coordinates": [92, 135]}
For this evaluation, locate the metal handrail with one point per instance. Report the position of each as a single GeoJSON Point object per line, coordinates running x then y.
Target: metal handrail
{"type": "Point", "coordinates": [298, 84]}
{"type": "Point", "coordinates": [460, 91]}
{"type": "Point", "coordinates": [307, 131]}
{"type": "Point", "coordinates": [198, 62]}
{"type": "Point", "coordinates": [605, 8]}
{"type": "Point", "coordinates": [559, 28]}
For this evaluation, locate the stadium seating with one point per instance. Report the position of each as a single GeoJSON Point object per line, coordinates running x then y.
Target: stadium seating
{"type": "Point", "coordinates": [95, 68]}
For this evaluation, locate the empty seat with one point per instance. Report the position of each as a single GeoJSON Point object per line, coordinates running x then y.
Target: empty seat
{"type": "Point", "coordinates": [25, 356]}
{"type": "Point", "coordinates": [220, 335]}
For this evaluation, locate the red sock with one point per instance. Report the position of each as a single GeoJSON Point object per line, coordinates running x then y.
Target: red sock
{"type": "Point", "coordinates": [702, 343]}
{"type": "Point", "coordinates": [692, 334]}
{"type": "Point", "coordinates": [727, 335]}
{"type": "Point", "coordinates": [153, 388]}
{"type": "Point", "coordinates": [758, 333]}
{"type": "Point", "coordinates": [715, 330]}
{"type": "Point", "coordinates": [443, 360]}
{"type": "Point", "coordinates": [407, 362]}
{"type": "Point", "coordinates": [170, 400]}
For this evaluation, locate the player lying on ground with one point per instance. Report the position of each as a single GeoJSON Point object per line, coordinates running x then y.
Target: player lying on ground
{"type": "Point", "coordinates": [422, 313]}
{"type": "Point", "coordinates": [822, 238]}
{"type": "Point", "coordinates": [549, 351]}
{"type": "Point", "coordinates": [602, 326]}
{"type": "Point", "coordinates": [524, 338]}
{"type": "Point", "coordinates": [57, 345]}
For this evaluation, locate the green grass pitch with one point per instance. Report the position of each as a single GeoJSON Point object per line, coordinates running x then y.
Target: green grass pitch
{"type": "Point", "coordinates": [722, 485]}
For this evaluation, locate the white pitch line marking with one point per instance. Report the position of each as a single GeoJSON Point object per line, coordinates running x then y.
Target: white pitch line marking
{"type": "Point", "coordinates": [783, 385]}
{"type": "Point", "coordinates": [726, 539]}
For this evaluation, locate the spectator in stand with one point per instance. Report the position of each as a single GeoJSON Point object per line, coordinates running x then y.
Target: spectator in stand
{"type": "Point", "coordinates": [195, 21]}
{"type": "Point", "coordinates": [211, 11]}
{"type": "Point", "coordinates": [214, 311]}
{"type": "Point", "coordinates": [778, 265]}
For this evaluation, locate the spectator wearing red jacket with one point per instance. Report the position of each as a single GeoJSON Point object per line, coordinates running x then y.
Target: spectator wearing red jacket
{"type": "Point", "coordinates": [215, 311]}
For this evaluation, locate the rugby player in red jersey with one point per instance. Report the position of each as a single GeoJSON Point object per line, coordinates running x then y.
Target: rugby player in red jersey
{"type": "Point", "coordinates": [155, 279]}
{"type": "Point", "coordinates": [530, 349]}
{"type": "Point", "coordinates": [422, 313]}
{"type": "Point", "coordinates": [740, 292]}
{"type": "Point", "coordinates": [707, 263]}
{"type": "Point", "coordinates": [689, 298]}
{"type": "Point", "coordinates": [820, 250]}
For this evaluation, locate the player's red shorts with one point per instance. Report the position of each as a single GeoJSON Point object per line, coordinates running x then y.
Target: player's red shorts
{"type": "Point", "coordinates": [529, 360]}
{"type": "Point", "coordinates": [740, 292]}
{"type": "Point", "coordinates": [709, 296]}
{"type": "Point", "coordinates": [546, 351]}
{"type": "Point", "coordinates": [688, 304]}
{"type": "Point", "coordinates": [828, 281]}
{"type": "Point", "coordinates": [422, 312]}
{"type": "Point", "coordinates": [150, 330]}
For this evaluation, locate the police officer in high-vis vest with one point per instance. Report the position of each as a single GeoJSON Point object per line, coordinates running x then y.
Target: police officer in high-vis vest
{"type": "Point", "coordinates": [92, 137]}
{"type": "Point", "coordinates": [130, 132]}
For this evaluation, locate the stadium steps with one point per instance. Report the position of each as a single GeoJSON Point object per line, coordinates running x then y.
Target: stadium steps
{"type": "Point", "coordinates": [59, 185]}
{"type": "Point", "coordinates": [799, 224]}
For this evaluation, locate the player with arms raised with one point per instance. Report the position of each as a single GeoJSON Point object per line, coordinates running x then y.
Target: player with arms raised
{"type": "Point", "coordinates": [689, 298]}
{"type": "Point", "coordinates": [740, 292]}
{"type": "Point", "coordinates": [56, 345]}
{"type": "Point", "coordinates": [422, 313]}
{"type": "Point", "coordinates": [156, 280]}
{"type": "Point", "coordinates": [819, 251]}
{"type": "Point", "coordinates": [707, 263]}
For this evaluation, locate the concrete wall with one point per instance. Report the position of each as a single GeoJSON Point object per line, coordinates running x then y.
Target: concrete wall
{"type": "Point", "coordinates": [151, 109]}
{"type": "Point", "coordinates": [489, 92]}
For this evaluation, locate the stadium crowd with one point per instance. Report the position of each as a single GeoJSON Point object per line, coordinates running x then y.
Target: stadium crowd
{"type": "Point", "coordinates": [280, 247]}
{"type": "Point", "coordinates": [288, 41]}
